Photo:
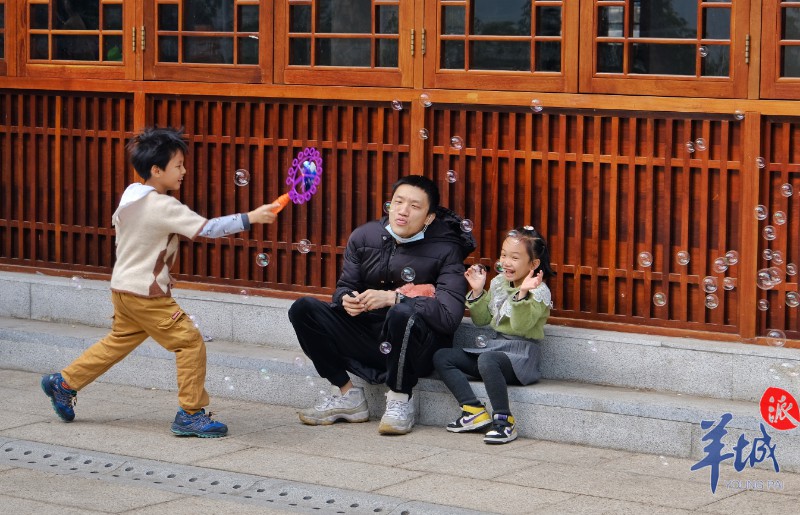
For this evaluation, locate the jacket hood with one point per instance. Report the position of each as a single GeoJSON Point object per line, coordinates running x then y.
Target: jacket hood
{"type": "Point", "coordinates": [447, 227]}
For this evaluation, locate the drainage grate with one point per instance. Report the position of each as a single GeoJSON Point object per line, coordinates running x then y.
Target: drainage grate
{"type": "Point", "coordinates": [199, 481]}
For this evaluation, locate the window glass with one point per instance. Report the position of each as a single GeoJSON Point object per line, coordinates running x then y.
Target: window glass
{"type": "Point", "coordinates": [208, 32]}
{"type": "Point", "coordinates": [344, 33]}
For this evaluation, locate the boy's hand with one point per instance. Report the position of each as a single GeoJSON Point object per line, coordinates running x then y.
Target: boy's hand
{"type": "Point", "coordinates": [263, 214]}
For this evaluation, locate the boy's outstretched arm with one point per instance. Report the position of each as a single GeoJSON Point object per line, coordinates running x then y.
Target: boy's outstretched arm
{"type": "Point", "coordinates": [226, 225]}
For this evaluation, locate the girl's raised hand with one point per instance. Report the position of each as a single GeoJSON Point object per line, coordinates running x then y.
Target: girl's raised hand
{"type": "Point", "coordinates": [531, 282]}
{"type": "Point", "coordinates": [476, 277]}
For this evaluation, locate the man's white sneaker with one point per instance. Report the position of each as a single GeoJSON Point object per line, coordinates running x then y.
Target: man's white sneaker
{"type": "Point", "coordinates": [350, 407]}
{"type": "Point", "coordinates": [399, 417]}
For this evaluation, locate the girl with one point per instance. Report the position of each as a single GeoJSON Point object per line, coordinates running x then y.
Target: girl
{"type": "Point", "coordinates": [516, 306]}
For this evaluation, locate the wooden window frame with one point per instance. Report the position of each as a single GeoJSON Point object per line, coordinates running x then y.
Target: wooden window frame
{"type": "Point", "coordinates": [154, 70]}
{"type": "Point", "coordinates": [5, 58]}
{"type": "Point", "coordinates": [75, 69]}
{"type": "Point", "coordinates": [286, 73]}
{"type": "Point", "coordinates": [734, 86]}
{"type": "Point", "coordinates": [772, 84]}
{"type": "Point", "coordinates": [564, 81]}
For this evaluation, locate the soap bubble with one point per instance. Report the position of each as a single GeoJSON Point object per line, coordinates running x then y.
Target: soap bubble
{"type": "Point", "coordinates": [700, 144]}
{"type": "Point", "coordinates": [77, 282]}
{"type": "Point", "coordinates": [777, 257]}
{"type": "Point", "coordinates": [241, 177]}
{"type": "Point", "coordinates": [466, 225]}
{"type": "Point", "coordinates": [769, 233]}
{"type": "Point", "coordinates": [480, 341]}
{"type": "Point", "coordinates": [712, 301]}
{"type": "Point", "coordinates": [498, 267]}
{"type": "Point", "coordinates": [682, 257]}
{"type": "Point", "coordinates": [227, 379]}
{"type": "Point", "coordinates": [792, 299]}
{"type": "Point", "coordinates": [786, 189]}
{"type": "Point", "coordinates": [299, 361]}
{"type": "Point", "coordinates": [775, 274]}
{"type": "Point", "coordinates": [304, 246]}
{"type": "Point", "coordinates": [425, 100]}
{"type": "Point", "coordinates": [703, 51]}
{"type": "Point", "coordinates": [764, 279]}
{"type": "Point", "coordinates": [536, 105]}
{"type": "Point", "coordinates": [776, 338]}
{"type": "Point", "coordinates": [244, 293]}
{"type": "Point", "coordinates": [663, 460]}
{"type": "Point", "coordinates": [690, 147]}
{"type": "Point", "coordinates": [452, 176]}
{"type": "Point", "coordinates": [791, 269]}
{"type": "Point", "coordinates": [732, 257]}
{"type": "Point", "coordinates": [385, 348]}
{"type": "Point", "coordinates": [779, 218]}
{"type": "Point", "coordinates": [709, 284]}
{"type": "Point", "coordinates": [761, 162]}
{"type": "Point", "coordinates": [262, 259]}
{"type": "Point", "coordinates": [763, 304]}
{"type": "Point", "coordinates": [408, 274]}
{"type": "Point", "coordinates": [397, 105]}
{"type": "Point", "coordinates": [766, 254]}
{"type": "Point", "coordinates": [645, 259]}
{"type": "Point", "coordinates": [592, 345]}
{"type": "Point", "coordinates": [729, 283]}
{"type": "Point", "coordinates": [659, 299]}
{"type": "Point", "coordinates": [738, 114]}
{"type": "Point", "coordinates": [720, 265]}
{"type": "Point", "coordinates": [423, 134]}
{"type": "Point", "coordinates": [264, 373]}
{"type": "Point", "coordinates": [761, 212]}
{"type": "Point", "coordinates": [387, 206]}
{"type": "Point", "coordinates": [456, 142]}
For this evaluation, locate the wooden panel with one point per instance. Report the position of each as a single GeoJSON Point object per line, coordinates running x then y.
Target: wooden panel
{"type": "Point", "coordinates": [602, 187]}
{"type": "Point", "coordinates": [775, 17]}
{"type": "Point", "coordinates": [364, 148]}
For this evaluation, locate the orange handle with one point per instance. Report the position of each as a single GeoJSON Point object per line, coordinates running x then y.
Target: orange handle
{"type": "Point", "coordinates": [283, 200]}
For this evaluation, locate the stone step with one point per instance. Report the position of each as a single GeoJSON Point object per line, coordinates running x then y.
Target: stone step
{"type": "Point", "coordinates": [723, 370]}
{"type": "Point", "coordinates": [629, 419]}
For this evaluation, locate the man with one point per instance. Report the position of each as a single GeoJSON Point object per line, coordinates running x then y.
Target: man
{"type": "Point", "coordinates": [399, 299]}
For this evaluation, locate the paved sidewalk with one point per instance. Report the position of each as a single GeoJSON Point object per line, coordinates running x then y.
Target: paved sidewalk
{"type": "Point", "coordinates": [118, 456]}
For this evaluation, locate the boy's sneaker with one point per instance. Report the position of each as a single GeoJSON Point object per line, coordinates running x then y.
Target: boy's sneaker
{"type": "Point", "coordinates": [198, 424]}
{"type": "Point", "coordinates": [399, 417]}
{"type": "Point", "coordinates": [503, 429]}
{"type": "Point", "coordinates": [350, 407]}
{"type": "Point", "coordinates": [472, 418]}
{"type": "Point", "coordinates": [61, 396]}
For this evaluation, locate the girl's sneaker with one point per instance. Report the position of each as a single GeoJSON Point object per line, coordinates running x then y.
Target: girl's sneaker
{"type": "Point", "coordinates": [472, 418]}
{"type": "Point", "coordinates": [503, 430]}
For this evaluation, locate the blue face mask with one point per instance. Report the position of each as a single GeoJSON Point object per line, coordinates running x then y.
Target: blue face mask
{"type": "Point", "coordinates": [400, 239]}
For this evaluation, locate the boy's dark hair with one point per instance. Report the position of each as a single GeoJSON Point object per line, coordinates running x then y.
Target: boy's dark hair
{"type": "Point", "coordinates": [154, 146]}
{"type": "Point", "coordinates": [536, 247]}
{"type": "Point", "coordinates": [423, 183]}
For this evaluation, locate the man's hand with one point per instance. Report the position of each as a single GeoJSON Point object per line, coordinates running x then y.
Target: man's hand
{"type": "Point", "coordinates": [263, 214]}
{"type": "Point", "coordinates": [367, 300]}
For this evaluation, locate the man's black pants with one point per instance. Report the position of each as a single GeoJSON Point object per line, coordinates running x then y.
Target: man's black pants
{"type": "Point", "coordinates": [337, 342]}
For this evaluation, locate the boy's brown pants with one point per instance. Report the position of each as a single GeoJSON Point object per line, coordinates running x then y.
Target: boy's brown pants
{"type": "Point", "coordinates": [136, 318]}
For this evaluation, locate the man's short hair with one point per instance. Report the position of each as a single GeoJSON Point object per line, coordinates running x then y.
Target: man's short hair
{"type": "Point", "coordinates": [154, 146]}
{"type": "Point", "coordinates": [423, 183]}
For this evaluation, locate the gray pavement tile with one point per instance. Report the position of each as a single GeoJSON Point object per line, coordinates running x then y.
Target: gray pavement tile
{"type": "Point", "coordinates": [157, 442]}
{"type": "Point", "coordinates": [468, 464]}
{"type": "Point", "coordinates": [756, 502]}
{"type": "Point", "coordinates": [440, 438]}
{"type": "Point", "coordinates": [614, 484]}
{"type": "Point", "coordinates": [475, 494]}
{"type": "Point", "coordinates": [582, 504]}
{"type": "Point", "coordinates": [205, 504]}
{"type": "Point", "coordinates": [13, 418]}
{"type": "Point", "coordinates": [77, 492]}
{"type": "Point", "coordinates": [564, 453]}
{"type": "Point", "coordinates": [19, 379]}
{"type": "Point", "coordinates": [309, 467]}
{"type": "Point", "coordinates": [19, 505]}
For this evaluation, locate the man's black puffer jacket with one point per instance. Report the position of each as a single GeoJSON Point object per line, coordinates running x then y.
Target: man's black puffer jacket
{"type": "Point", "coordinates": [374, 260]}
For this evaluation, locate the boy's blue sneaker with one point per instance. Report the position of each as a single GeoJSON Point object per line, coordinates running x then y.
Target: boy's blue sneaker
{"type": "Point", "coordinates": [62, 398]}
{"type": "Point", "coordinates": [198, 424]}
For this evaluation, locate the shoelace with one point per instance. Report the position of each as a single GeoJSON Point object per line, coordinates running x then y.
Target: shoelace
{"type": "Point", "coordinates": [397, 409]}
{"type": "Point", "coordinates": [330, 401]}
{"type": "Point", "coordinates": [65, 397]}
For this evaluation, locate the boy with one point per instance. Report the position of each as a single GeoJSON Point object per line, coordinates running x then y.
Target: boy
{"type": "Point", "coordinates": [148, 222]}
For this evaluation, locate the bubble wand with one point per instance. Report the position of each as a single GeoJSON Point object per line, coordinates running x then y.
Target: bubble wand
{"type": "Point", "coordinates": [302, 177]}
